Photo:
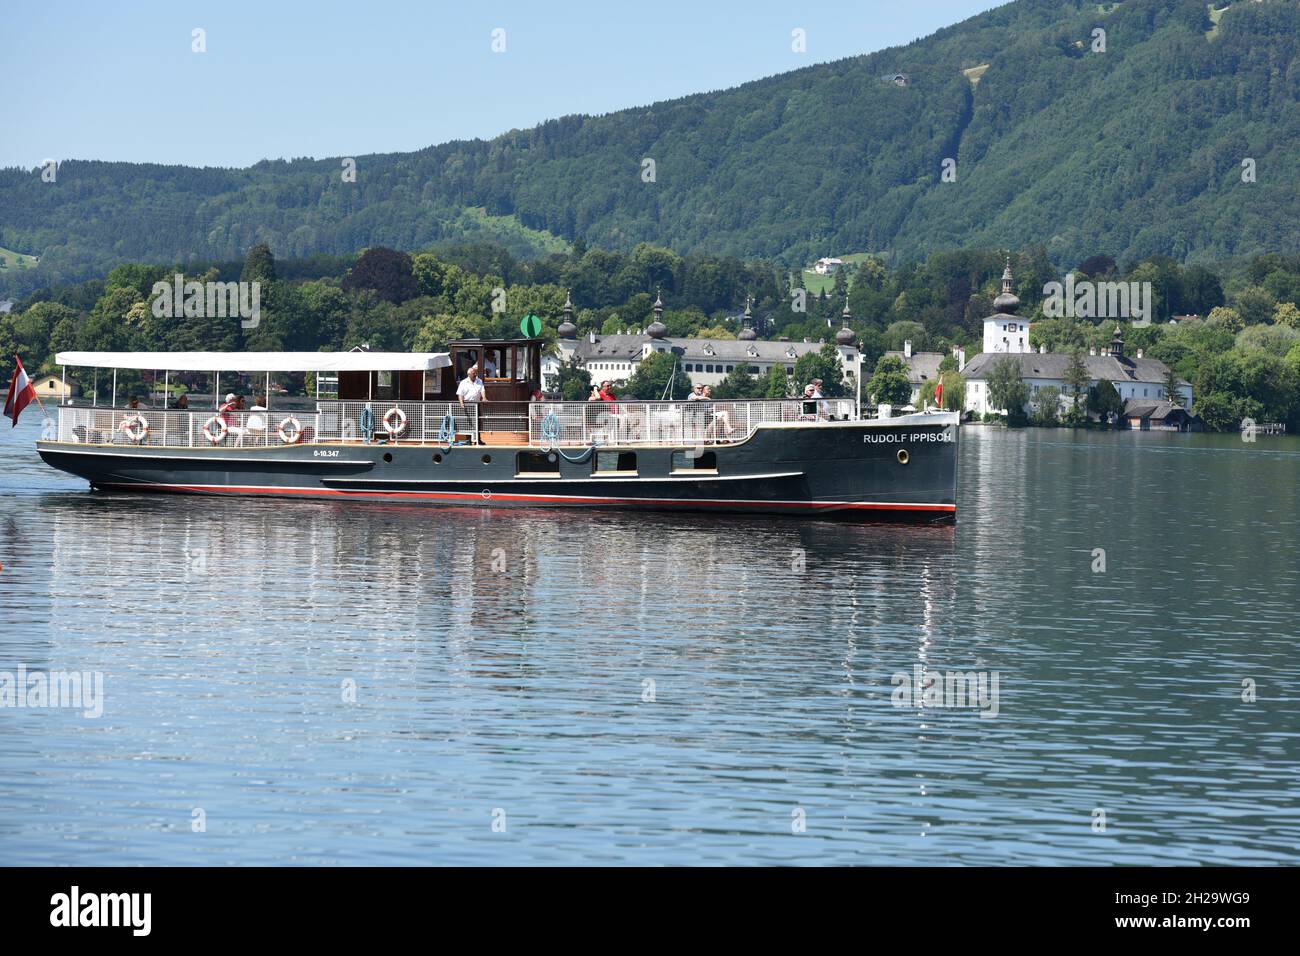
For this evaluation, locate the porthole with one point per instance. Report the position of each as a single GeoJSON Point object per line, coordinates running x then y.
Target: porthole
{"type": "Point", "coordinates": [903, 456]}
{"type": "Point", "coordinates": [388, 457]}
{"type": "Point", "coordinates": [437, 459]}
{"type": "Point", "coordinates": [487, 459]}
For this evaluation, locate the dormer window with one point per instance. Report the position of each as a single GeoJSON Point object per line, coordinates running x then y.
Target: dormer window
{"type": "Point", "coordinates": [792, 353]}
{"type": "Point", "coordinates": [708, 350]}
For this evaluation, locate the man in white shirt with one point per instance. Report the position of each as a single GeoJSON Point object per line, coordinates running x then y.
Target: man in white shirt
{"type": "Point", "coordinates": [470, 388]}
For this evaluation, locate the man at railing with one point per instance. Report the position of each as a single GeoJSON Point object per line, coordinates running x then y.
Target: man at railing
{"type": "Point", "coordinates": [471, 388]}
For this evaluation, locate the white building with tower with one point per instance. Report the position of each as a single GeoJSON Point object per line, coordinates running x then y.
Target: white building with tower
{"type": "Point", "coordinates": [1004, 331]}
{"type": "Point", "coordinates": [1006, 336]}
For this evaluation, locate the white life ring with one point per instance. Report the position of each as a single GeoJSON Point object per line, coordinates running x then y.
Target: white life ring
{"type": "Point", "coordinates": [135, 428]}
{"type": "Point", "coordinates": [215, 437]}
{"type": "Point", "coordinates": [395, 422]}
{"type": "Point", "coordinates": [290, 431]}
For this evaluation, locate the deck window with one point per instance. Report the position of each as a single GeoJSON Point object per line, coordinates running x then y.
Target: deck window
{"type": "Point", "coordinates": [538, 463]}
{"type": "Point", "coordinates": [614, 463]}
{"type": "Point", "coordinates": [687, 462]}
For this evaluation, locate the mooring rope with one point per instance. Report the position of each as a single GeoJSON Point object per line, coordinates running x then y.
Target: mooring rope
{"type": "Point", "coordinates": [447, 432]}
{"type": "Point", "coordinates": [551, 440]}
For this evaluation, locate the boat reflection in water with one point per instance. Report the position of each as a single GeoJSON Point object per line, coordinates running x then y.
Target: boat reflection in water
{"type": "Point", "coordinates": [220, 564]}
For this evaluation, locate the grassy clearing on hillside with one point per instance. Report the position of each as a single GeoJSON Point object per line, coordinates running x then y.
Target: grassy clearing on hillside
{"type": "Point", "coordinates": [1215, 17]}
{"type": "Point", "coordinates": [15, 260]}
{"type": "Point", "coordinates": [974, 73]}
{"type": "Point", "coordinates": [817, 284]}
{"type": "Point", "coordinates": [475, 222]}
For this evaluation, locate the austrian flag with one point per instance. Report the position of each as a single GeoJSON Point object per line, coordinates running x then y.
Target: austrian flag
{"type": "Point", "coordinates": [21, 392]}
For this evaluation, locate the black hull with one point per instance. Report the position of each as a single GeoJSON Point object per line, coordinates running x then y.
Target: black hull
{"type": "Point", "coordinates": [864, 471]}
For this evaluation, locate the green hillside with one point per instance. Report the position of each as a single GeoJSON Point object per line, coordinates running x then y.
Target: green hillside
{"type": "Point", "coordinates": [1131, 152]}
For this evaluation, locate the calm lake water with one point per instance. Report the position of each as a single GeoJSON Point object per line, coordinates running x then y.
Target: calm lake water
{"type": "Point", "coordinates": [622, 688]}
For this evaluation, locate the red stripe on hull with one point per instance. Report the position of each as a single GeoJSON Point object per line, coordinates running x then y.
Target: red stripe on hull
{"type": "Point", "coordinates": [537, 499]}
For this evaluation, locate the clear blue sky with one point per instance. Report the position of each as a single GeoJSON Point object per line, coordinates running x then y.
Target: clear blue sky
{"type": "Point", "coordinates": [325, 78]}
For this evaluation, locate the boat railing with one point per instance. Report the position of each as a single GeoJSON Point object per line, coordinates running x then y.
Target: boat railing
{"type": "Point", "coordinates": [670, 423]}
{"type": "Point", "coordinates": [425, 422]}
{"type": "Point", "coordinates": [547, 424]}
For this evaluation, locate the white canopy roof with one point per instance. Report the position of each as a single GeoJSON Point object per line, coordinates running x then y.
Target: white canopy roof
{"type": "Point", "coordinates": [260, 361]}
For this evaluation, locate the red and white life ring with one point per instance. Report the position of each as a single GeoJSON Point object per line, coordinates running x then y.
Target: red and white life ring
{"type": "Point", "coordinates": [395, 422]}
{"type": "Point", "coordinates": [219, 434]}
{"type": "Point", "coordinates": [290, 431]}
{"type": "Point", "coordinates": [135, 428]}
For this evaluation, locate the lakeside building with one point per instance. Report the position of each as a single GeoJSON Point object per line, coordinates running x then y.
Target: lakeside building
{"type": "Point", "coordinates": [1006, 337]}
{"type": "Point", "coordinates": [705, 361]}
{"type": "Point", "coordinates": [51, 387]}
{"type": "Point", "coordinates": [1159, 416]}
{"type": "Point", "coordinates": [922, 367]}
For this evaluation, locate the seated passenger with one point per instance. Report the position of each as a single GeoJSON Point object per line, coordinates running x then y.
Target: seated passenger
{"type": "Point", "coordinates": [721, 417]}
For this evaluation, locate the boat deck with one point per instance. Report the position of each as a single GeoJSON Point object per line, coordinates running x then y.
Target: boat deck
{"type": "Point", "coordinates": [535, 424]}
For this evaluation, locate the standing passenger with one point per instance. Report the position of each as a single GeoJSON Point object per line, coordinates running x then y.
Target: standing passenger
{"type": "Point", "coordinates": [471, 388]}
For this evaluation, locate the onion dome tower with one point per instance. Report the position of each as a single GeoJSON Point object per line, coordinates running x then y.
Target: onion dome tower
{"type": "Point", "coordinates": [567, 329]}
{"type": "Point", "coordinates": [1004, 330]}
{"type": "Point", "coordinates": [657, 329]}
{"type": "Point", "coordinates": [747, 334]}
{"type": "Point", "coordinates": [1007, 302]}
{"type": "Point", "coordinates": [845, 335]}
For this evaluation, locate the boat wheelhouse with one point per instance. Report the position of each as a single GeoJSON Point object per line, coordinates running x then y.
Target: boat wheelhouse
{"type": "Point", "coordinates": [395, 430]}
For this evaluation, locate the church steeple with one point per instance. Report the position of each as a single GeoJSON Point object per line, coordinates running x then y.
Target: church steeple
{"type": "Point", "coordinates": [657, 329]}
{"type": "Point", "coordinates": [845, 335]}
{"type": "Point", "coordinates": [567, 329]}
{"type": "Point", "coordinates": [747, 334]}
{"type": "Point", "coordinates": [1004, 331]}
{"type": "Point", "coordinates": [1007, 302]}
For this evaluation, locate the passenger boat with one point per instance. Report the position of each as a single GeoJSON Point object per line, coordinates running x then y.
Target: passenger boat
{"type": "Point", "coordinates": [396, 431]}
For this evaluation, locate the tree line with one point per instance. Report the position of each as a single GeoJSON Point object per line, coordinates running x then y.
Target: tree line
{"type": "Point", "coordinates": [1241, 354]}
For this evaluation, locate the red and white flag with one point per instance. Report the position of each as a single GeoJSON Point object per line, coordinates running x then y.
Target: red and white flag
{"type": "Point", "coordinates": [21, 392]}
{"type": "Point", "coordinates": [938, 394]}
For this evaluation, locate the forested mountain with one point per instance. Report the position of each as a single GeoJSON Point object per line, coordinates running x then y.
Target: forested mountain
{"type": "Point", "coordinates": [1131, 151]}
